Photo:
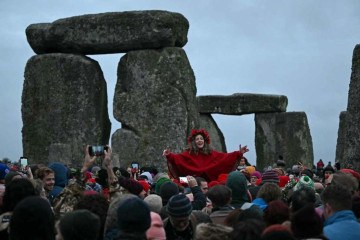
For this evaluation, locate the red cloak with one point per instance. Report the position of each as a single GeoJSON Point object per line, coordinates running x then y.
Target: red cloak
{"type": "Point", "coordinates": [208, 166]}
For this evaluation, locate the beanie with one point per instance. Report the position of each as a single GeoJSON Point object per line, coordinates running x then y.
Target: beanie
{"type": "Point", "coordinates": [167, 190]}
{"type": "Point", "coordinates": [156, 230]}
{"type": "Point", "coordinates": [213, 183]}
{"type": "Point", "coordinates": [256, 174]}
{"type": "Point", "coordinates": [270, 176]}
{"type": "Point", "coordinates": [222, 178]}
{"type": "Point", "coordinates": [4, 169]}
{"type": "Point", "coordinates": [154, 202]}
{"type": "Point", "coordinates": [179, 206]}
{"type": "Point", "coordinates": [145, 185]}
{"type": "Point", "coordinates": [250, 169]}
{"type": "Point", "coordinates": [133, 216]}
{"type": "Point", "coordinates": [304, 181]}
{"type": "Point", "coordinates": [283, 181]}
{"type": "Point", "coordinates": [160, 182]}
{"type": "Point", "coordinates": [80, 224]}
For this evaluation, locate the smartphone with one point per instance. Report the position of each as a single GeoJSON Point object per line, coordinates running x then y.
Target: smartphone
{"type": "Point", "coordinates": [183, 180]}
{"type": "Point", "coordinates": [98, 150]}
{"type": "Point", "coordinates": [23, 162]}
{"type": "Point", "coordinates": [135, 165]}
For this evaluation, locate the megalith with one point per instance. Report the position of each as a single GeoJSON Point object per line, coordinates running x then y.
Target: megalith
{"type": "Point", "coordinates": [285, 134]}
{"type": "Point", "coordinates": [155, 101]}
{"type": "Point", "coordinates": [341, 139]}
{"type": "Point", "coordinates": [242, 103]}
{"type": "Point", "coordinates": [351, 154]}
{"type": "Point", "coordinates": [64, 107]}
{"type": "Point", "coordinates": [112, 32]}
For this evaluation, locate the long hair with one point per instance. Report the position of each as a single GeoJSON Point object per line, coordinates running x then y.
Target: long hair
{"type": "Point", "coordinates": [193, 149]}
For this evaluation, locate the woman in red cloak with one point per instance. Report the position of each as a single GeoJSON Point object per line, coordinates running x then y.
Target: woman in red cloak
{"type": "Point", "coordinates": [199, 160]}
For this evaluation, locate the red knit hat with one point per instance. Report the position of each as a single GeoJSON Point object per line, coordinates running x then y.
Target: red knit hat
{"type": "Point", "coordinates": [213, 183]}
{"type": "Point", "coordinates": [145, 185]}
{"type": "Point", "coordinates": [283, 181]}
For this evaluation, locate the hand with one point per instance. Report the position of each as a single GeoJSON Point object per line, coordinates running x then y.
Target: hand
{"type": "Point", "coordinates": [166, 151]}
{"type": "Point", "coordinates": [243, 149]}
{"type": "Point", "coordinates": [89, 160]}
{"type": "Point", "coordinates": [107, 157]}
{"type": "Point", "coordinates": [191, 181]}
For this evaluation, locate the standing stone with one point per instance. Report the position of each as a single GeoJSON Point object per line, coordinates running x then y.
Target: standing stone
{"type": "Point", "coordinates": [155, 101]}
{"type": "Point", "coordinates": [217, 140]}
{"type": "Point", "coordinates": [352, 139]}
{"type": "Point", "coordinates": [114, 32]}
{"type": "Point", "coordinates": [341, 138]}
{"type": "Point", "coordinates": [285, 134]}
{"type": "Point", "coordinates": [64, 107]}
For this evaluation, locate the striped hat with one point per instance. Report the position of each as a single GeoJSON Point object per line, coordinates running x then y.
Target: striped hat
{"type": "Point", "coordinates": [179, 206]}
{"type": "Point", "coordinates": [270, 176]}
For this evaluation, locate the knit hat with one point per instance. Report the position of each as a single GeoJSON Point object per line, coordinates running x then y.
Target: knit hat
{"type": "Point", "coordinates": [270, 176]}
{"type": "Point", "coordinates": [145, 185]}
{"type": "Point", "coordinates": [179, 206]}
{"type": "Point", "coordinates": [148, 176]}
{"type": "Point", "coordinates": [250, 169]}
{"type": "Point", "coordinates": [4, 169]}
{"type": "Point", "coordinates": [329, 168]}
{"type": "Point", "coordinates": [80, 224]}
{"type": "Point", "coordinates": [156, 230]}
{"type": "Point", "coordinates": [132, 185]}
{"type": "Point", "coordinates": [256, 174]}
{"type": "Point", "coordinates": [279, 171]}
{"type": "Point", "coordinates": [304, 181]}
{"type": "Point", "coordinates": [283, 180]}
{"type": "Point", "coordinates": [160, 182]}
{"type": "Point", "coordinates": [9, 177]}
{"type": "Point", "coordinates": [277, 231]}
{"type": "Point", "coordinates": [295, 169]}
{"type": "Point", "coordinates": [155, 202]}
{"type": "Point", "coordinates": [133, 216]}
{"type": "Point", "coordinates": [167, 190]}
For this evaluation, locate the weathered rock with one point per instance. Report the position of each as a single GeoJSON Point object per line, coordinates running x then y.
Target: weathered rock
{"type": "Point", "coordinates": [341, 138]}
{"type": "Point", "coordinates": [352, 139]}
{"type": "Point", "coordinates": [242, 103]}
{"type": "Point", "coordinates": [64, 101]}
{"type": "Point", "coordinates": [285, 134]}
{"type": "Point", "coordinates": [114, 32]}
{"type": "Point", "coordinates": [155, 101]}
{"type": "Point", "coordinates": [217, 140]}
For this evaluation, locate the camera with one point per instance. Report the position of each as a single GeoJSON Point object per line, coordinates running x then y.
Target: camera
{"type": "Point", "coordinates": [97, 150]}
{"type": "Point", "coordinates": [135, 165]}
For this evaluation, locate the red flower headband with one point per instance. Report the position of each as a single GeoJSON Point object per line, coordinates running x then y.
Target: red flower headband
{"type": "Point", "coordinates": [202, 132]}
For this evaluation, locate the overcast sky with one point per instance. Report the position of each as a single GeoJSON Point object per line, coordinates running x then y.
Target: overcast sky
{"type": "Point", "coordinates": [301, 49]}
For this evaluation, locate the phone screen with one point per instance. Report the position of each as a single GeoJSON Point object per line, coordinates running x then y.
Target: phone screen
{"type": "Point", "coordinates": [97, 150]}
{"type": "Point", "coordinates": [23, 161]}
{"type": "Point", "coordinates": [135, 165]}
{"type": "Point", "coordinates": [183, 179]}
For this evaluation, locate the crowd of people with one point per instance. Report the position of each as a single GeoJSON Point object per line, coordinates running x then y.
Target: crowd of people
{"type": "Point", "coordinates": [219, 196]}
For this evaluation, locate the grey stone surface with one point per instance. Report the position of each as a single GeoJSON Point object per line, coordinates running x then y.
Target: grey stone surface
{"type": "Point", "coordinates": [155, 101]}
{"type": "Point", "coordinates": [64, 101]}
{"type": "Point", "coordinates": [217, 140]}
{"type": "Point", "coordinates": [113, 32]}
{"type": "Point", "coordinates": [285, 134]}
{"type": "Point", "coordinates": [242, 103]}
{"type": "Point", "coordinates": [352, 137]}
{"type": "Point", "coordinates": [341, 137]}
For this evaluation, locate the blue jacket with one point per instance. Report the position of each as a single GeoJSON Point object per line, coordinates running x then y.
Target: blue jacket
{"type": "Point", "coordinates": [342, 225]}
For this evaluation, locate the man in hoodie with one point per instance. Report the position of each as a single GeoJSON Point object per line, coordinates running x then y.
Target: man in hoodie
{"type": "Point", "coordinates": [61, 179]}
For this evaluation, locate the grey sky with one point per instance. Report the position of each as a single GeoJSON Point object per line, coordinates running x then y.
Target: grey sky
{"type": "Point", "coordinates": [301, 49]}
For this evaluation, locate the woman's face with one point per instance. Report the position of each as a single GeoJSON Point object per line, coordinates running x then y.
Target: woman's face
{"type": "Point", "coordinates": [242, 162]}
{"type": "Point", "coordinates": [199, 141]}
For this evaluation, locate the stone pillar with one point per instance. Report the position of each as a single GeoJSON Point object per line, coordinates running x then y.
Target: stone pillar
{"type": "Point", "coordinates": [64, 103]}
{"type": "Point", "coordinates": [155, 101]}
{"type": "Point", "coordinates": [285, 134]}
{"type": "Point", "coordinates": [352, 137]}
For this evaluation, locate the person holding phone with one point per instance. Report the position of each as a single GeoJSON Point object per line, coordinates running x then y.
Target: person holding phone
{"type": "Point", "coordinates": [200, 160]}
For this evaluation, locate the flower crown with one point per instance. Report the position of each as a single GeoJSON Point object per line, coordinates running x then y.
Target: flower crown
{"type": "Point", "coordinates": [202, 132]}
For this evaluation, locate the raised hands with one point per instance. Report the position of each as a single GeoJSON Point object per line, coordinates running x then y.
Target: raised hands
{"type": "Point", "coordinates": [243, 149]}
